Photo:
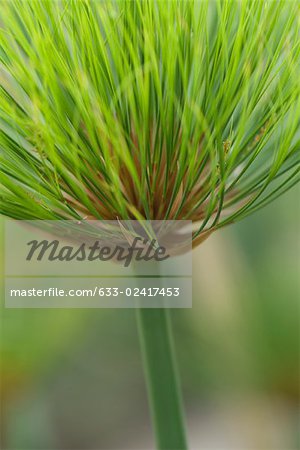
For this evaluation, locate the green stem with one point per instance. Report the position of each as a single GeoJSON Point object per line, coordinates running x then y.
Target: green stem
{"type": "Point", "coordinates": [162, 378]}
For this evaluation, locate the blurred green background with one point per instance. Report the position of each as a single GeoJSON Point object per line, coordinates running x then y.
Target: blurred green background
{"type": "Point", "coordinates": [72, 379]}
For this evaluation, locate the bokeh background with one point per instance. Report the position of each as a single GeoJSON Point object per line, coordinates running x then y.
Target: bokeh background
{"type": "Point", "coordinates": [73, 379]}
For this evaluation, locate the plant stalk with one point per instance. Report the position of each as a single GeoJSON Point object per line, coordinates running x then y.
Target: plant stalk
{"type": "Point", "coordinates": [162, 378]}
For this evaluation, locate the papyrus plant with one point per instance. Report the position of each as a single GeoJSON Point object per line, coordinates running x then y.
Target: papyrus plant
{"type": "Point", "coordinates": [149, 110]}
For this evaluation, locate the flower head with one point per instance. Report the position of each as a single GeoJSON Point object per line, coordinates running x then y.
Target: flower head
{"type": "Point", "coordinates": [148, 109]}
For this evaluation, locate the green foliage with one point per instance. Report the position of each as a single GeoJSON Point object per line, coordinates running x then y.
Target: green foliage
{"type": "Point", "coordinates": [148, 109]}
